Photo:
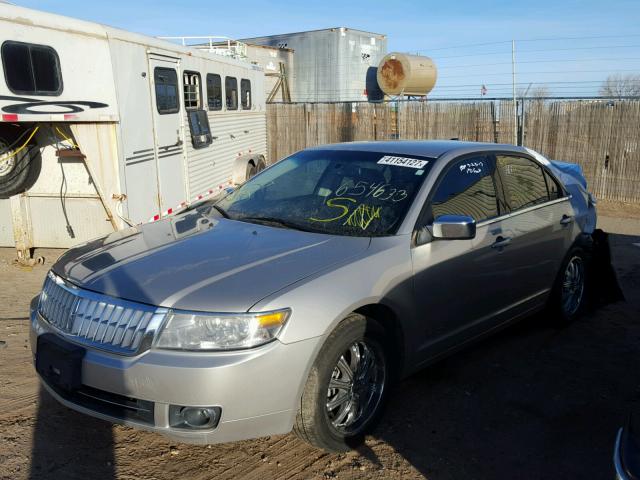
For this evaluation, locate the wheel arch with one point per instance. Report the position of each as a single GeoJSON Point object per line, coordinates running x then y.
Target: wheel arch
{"type": "Point", "coordinates": [387, 318]}
{"type": "Point", "coordinates": [239, 172]}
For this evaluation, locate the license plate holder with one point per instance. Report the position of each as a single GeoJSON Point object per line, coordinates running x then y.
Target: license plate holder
{"type": "Point", "coordinates": [59, 362]}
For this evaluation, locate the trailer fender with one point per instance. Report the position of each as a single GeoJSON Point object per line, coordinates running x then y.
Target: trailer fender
{"type": "Point", "coordinates": [246, 166]}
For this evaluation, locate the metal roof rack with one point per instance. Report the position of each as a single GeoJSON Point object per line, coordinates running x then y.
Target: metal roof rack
{"type": "Point", "coordinates": [219, 45]}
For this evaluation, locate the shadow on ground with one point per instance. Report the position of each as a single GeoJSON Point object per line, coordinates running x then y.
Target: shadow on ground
{"type": "Point", "coordinates": [69, 445]}
{"type": "Point", "coordinates": [532, 402]}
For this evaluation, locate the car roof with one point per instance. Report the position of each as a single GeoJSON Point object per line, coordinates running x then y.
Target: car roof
{"type": "Point", "coordinates": [424, 148]}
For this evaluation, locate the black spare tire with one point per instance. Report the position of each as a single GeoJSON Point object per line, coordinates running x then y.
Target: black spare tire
{"type": "Point", "coordinates": [20, 161]}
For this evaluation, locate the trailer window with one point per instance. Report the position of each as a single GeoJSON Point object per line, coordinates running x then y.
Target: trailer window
{"type": "Point", "coordinates": [245, 93]}
{"type": "Point", "coordinates": [166, 82]}
{"type": "Point", "coordinates": [31, 69]}
{"type": "Point", "coordinates": [192, 91]}
{"type": "Point", "coordinates": [214, 91]}
{"type": "Point", "coordinates": [231, 90]}
{"type": "Point", "coordinates": [199, 128]}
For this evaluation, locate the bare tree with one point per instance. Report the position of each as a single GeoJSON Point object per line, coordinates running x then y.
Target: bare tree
{"type": "Point", "coordinates": [538, 92]}
{"type": "Point", "coordinates": [621, 86]}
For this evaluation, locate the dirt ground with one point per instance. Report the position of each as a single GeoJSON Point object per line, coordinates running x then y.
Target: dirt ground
{"type": "Point", "coordinates": [532, 402]}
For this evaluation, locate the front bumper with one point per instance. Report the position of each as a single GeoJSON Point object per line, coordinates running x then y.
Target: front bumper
{"type": "Point", "coordinates": [258, 390]}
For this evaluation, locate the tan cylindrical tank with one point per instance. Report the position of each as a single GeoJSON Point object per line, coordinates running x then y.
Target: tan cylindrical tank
{"type": "Point", "coordinates": [402, 74]}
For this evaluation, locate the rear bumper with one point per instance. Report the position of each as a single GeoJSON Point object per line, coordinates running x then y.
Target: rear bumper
{"type": "Point", "coordinates": [258, 390]}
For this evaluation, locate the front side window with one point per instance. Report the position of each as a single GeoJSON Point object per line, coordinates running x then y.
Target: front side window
{"type": "Point", "coordinates": [214, 91]}
{"type": "Point", "coordinates": [31, 69]}
{"type": "Point", "coordinates": [348, 193]}
{"type": "Point", "coordinates": [231, 91]}
{"type": "Point", "coordinates": [166, 83]}
{"type": "Point", "coordinates": [468, 189]}
{"type": "Point", "coordinates": [245, 93]}
{"type": "Point", "coordinates": [523, 182]}
{"type": "Point", "coordinates": [192, 91]}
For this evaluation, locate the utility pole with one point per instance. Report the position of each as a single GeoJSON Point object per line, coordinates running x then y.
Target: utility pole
{"type": "Point", "coordinates": [513, 82]}
{"type": "Point", "coordinates": [523, 110]}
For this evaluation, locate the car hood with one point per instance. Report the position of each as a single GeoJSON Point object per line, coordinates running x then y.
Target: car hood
{"type": "Point", "coordinates": [198, 262]}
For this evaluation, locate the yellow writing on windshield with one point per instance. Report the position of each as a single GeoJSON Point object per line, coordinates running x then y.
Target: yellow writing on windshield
{"type": "Point", "coordinates": [335, 203]}
{"type": "Point", "coordinates": [362, 216]}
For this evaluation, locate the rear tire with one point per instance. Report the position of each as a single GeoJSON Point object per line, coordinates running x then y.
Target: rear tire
{"type": "Point", "coordinates": [18, 171]}
{"type": "Point", "coordinates": [569, 296]}
{"type": "Point", "coordinates": [337, 408]}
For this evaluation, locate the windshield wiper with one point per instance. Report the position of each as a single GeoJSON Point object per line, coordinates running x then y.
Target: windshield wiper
{"type": "Point", "coordinates": [276, 221]}
{"type": "Point", "coordinates": [221, 211]}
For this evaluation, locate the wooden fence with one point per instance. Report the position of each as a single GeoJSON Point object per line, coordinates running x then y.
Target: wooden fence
{"type": "Point", "coordinates": [602, 136]}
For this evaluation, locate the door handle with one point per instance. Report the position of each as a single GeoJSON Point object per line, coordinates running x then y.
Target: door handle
{"type": "Point", "coordinates": [501, 242]}
{"type": "Point", "coordinates": [566, 220]}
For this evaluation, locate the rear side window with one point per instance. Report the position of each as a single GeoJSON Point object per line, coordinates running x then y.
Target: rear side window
{"type": "Point", "coordinates": [31, 69]}
{"type": "Point", "coordinates": [214, 91]}
{"type": "Point", "coordinates": [467, 188]}
{"type": "Point", "coordinates": [523, 181]}
{"type": "Point", "coordinates": [231, 90]}
{"type": "Point", "coordinates": [192, 90]}
{"type": "Point", "coordinates": [166, 82]}
{"type": "Point", "coordinates": [245, 93]}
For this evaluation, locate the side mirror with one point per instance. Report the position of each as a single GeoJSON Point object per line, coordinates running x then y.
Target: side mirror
{"type": "Point", "coordinates": [454, 227]}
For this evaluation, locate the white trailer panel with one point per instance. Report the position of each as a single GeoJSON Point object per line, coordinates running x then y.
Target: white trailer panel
{"type": "Point", "coordinates": [115, 129]}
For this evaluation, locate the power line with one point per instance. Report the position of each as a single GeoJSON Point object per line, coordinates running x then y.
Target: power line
{"type": "Point", "coordinates": [471, 45]}
{"type": "Point", "coordinates": [555, 72]}
{"type": "Point", "coordinates": [520, 52]}
{"type": "Point", "coordinates": [539, 61]}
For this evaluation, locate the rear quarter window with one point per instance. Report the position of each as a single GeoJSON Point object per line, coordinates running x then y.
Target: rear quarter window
{"type": "Point", "coordinates": [555, 191]}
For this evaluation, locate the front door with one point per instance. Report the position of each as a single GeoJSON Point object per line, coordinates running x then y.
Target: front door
{"type": "Point", "coordinates": [458, 284]}
{"type": "Point", "coordinates": [167, 110]}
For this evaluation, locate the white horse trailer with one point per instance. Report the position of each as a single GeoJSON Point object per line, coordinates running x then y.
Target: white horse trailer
{"type": "Point", "coordinates": [100, 128]}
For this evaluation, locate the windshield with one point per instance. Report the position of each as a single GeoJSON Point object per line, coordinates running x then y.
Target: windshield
{"type": "Point", "coordinates": [331, 191]}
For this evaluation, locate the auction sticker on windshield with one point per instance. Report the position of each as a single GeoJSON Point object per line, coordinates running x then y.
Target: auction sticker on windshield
{"type": "Point", "coordinates": [402, 161]}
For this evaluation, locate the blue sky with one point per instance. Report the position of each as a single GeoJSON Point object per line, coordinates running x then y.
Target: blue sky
{"type": "Point", "coordinates": [428, 27]}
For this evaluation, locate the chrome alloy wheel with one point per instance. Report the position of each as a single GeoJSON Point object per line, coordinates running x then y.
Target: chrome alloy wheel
{"type": "Point", "coordinates": [573, 285]}
{"type": "Point", "coordinates": [7, 163]}
{"type": "Point", "coordinates": [355, 388]}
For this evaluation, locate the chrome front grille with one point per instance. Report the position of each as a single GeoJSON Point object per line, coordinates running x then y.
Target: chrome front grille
{"type": "Point", "coordinates": [98, 320]}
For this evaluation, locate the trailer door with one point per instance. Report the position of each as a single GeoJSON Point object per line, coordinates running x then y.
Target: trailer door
{"type": "Point", "coordinates": [167, 125]}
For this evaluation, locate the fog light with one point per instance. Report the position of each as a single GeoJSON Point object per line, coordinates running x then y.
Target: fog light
{"type": "Point", "coordinates": [194, 417]}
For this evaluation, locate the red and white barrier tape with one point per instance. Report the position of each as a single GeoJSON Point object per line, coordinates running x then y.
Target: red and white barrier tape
{"type": "Point", "coordinates": [186, 203]}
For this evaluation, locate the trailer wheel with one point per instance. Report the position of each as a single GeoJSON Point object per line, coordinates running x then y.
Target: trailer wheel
{"type": "Point", "coordinates": [261, 165]}
{"type": "Point", "coordinates": [20, 163]}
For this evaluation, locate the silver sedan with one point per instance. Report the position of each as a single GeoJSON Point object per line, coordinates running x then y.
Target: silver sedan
{"type": "Point", "coordinates": [296, 301]}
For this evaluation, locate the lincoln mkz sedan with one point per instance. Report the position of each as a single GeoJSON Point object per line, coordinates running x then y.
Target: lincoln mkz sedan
{"type": "Point", "coordinates": [295, 301]}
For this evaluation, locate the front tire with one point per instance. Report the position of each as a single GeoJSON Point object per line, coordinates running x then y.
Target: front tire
{"type": "Point", "coordinates": [346, 388]}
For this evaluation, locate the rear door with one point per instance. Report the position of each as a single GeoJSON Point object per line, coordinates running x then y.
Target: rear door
{"type": "Point", "coordinates": [538, 228]}
{"type": "Point", "coordinates": [167, 110]}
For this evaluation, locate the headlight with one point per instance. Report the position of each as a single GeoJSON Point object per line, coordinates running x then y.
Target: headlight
{"type": "Point", "coordinates": [220, 331]}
